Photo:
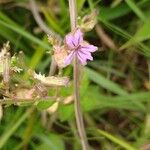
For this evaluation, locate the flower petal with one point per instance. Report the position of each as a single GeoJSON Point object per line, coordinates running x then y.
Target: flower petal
{"type": "Point", "coordinates": [78, 37]}
{"type": "Point", "coordinates": [89, 48]}
{"type": "Point", "coordinates": [69, 40]}
{"type": "Point", "coordinates": [69, 58]}
{"type": "Point", "coordinates": [73, 40]}
{"type": "Point", "coordinates": [85, 54]}
{"type": "Point", "coordinates": [81, 59]}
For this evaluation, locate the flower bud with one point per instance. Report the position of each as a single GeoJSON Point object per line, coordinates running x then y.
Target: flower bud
{"type": "Point", "coordinates": [89, 21]}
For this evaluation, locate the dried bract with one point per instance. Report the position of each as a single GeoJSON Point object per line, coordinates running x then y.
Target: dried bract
{"type": "Point", "coordinates": [60, 53]}
{"type": "Point", "coordinates": [53, 40]}
{"type": "Point", "coordinates": [24, 93]}
{"type": "Point", "coordinates": [52, 80]}
{"type": "Point", "coordinates": [89, 21]}
{"type": "Point", "coordinates": [68, 100]}
{"type": "Point", "coordinates": [52, 109]}
{"type": "Point", "coordinates": [3, 53]}
{"type": "Point", "coordinates": [41, 90]}
{"type": "Point", "coordinates": [4, 50]}
{"type": "Point", "coordinates": [6, 68]}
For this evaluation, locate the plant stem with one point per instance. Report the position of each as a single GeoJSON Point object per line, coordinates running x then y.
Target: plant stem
{"type": "Point", "coordinates": [17, 100]}
{"type": "Point", "coordinates": [35, 11]}
{"type": "Point", "coordinates": [78, 113]}
{"type": "Point", "coordinates": [46, 29]}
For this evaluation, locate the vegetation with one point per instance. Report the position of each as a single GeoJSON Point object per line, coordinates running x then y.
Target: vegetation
{"type": "Point", "coordinates": [114, 87]}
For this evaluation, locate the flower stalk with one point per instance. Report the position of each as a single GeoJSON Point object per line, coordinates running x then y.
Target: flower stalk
{"type": "Point", "coordinates": [78, 113]}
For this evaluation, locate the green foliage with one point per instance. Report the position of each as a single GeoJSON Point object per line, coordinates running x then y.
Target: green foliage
{"type": "Point", "coordinates": [135, 9]}
{"type": "Point", "coordinates": [141, 35]}
{"type": "Point", "coordinates": [116, 140]}
{"type": "Point", "coordinates": [114, 91]}
{"type": "Point", "coordinates": [51, 141]}
{"type": "Point", "coordinates": [44, 104]}
{"type": "Point", "coordinates": [105, 83]}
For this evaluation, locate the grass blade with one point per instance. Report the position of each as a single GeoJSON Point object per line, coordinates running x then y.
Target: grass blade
{"type": "Point", "coordinates": [136, 10]}
{"type": "Point", "coordinates": [116, 140]}
{"type": "Point", "coordinates": [105, 83]}
{"type": "Point", "coordinates": [27, 35]}
{"type": "Point", "coordinates": [9, 132]}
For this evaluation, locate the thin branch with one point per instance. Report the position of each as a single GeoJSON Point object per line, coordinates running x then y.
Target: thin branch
{"type": "Point", "coordinates": [105, 37]}
{"type": "Point", "coordinates": [17, 100]}
{"type": "Point", "coordinates": [53, 67]}
{"type": "Point", "coordinates": [40, 22]}
{"type": "Point", "coordinates": [46, 29]}
{"type": "Point", "coordinates": [78, 113]}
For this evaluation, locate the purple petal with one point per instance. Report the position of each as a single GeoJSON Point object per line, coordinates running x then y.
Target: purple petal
{"type": "Point", "coordinates": [73, 40]}
{"type": "Point", "coordinates": [78, 37]}
{"type": "Point", "coordinates": [69, 58]}
{"type": "Point", "coordinates": [85, 54]}
{"type": "Point", "coordinates": [89, 48]}
{"type": "Point", "coordinates": [81, 59]}
{"type": "Point", "coordinates": [69, 40]}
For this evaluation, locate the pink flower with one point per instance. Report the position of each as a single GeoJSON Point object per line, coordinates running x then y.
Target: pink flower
{"type": "Point", "coordinates": [78, 48]}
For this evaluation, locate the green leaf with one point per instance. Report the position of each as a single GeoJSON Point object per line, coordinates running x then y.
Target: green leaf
{"type": "Point", "coordinates": [95, 100]}
{"type": "Point", "coordinates": [44, 104]}
{"type": "Point", "coordinates": [142, 34]}
{"type": "Point", "coordinates": [92, 100]}
{"type": "Point", "coordinates": [116, 12]}
{"type": "Point", "coordinates": [80, 4]}
{"type": "Point", "coordinates": [51, 142]}
{"type": "Point", "coordinates": [53, 23]}
{"type": "Point", "coordinates": [104, 82]}
{"type": "Point", "coordinates": [13, 128]}
{"type": "Point", "coordinates": [27, 35]}
{"type": "Point", "coordinates": [135, 9]}
{"type": "Point", "coordinates": [144, 49]}
{"type": "Point", "coordinates": [66, 112]}
{"type": "Point", "coordinates": [37, 56]}
{"type": "Point", "coordinates": [116, 140]}
{"type": "Point", "coordinates": [84, 84]}
{"type": "Point", "coordinates": [10, 36]}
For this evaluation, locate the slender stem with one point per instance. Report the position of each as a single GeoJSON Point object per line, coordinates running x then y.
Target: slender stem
{"type": "Point", "coordinates": [40, 22]}
{"type": "Point", "coordinates": [53, 67]}
{"type": "Point", "coordinates": [47, 30]}
{"type": "Point", "coordinates": [78, 113]}
{"type": "Point", "coordinates": [15, 101]}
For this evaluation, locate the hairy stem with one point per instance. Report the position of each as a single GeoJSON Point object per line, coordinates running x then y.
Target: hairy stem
{"type": "Point", "coordinates": [78, 114]}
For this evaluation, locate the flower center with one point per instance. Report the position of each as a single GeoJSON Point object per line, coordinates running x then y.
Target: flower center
{"type": "Point", "coordinates": [77, 47]}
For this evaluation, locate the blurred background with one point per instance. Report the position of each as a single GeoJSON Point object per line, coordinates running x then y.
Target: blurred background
{"type": "Point", "coordinates": [115, 95]}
